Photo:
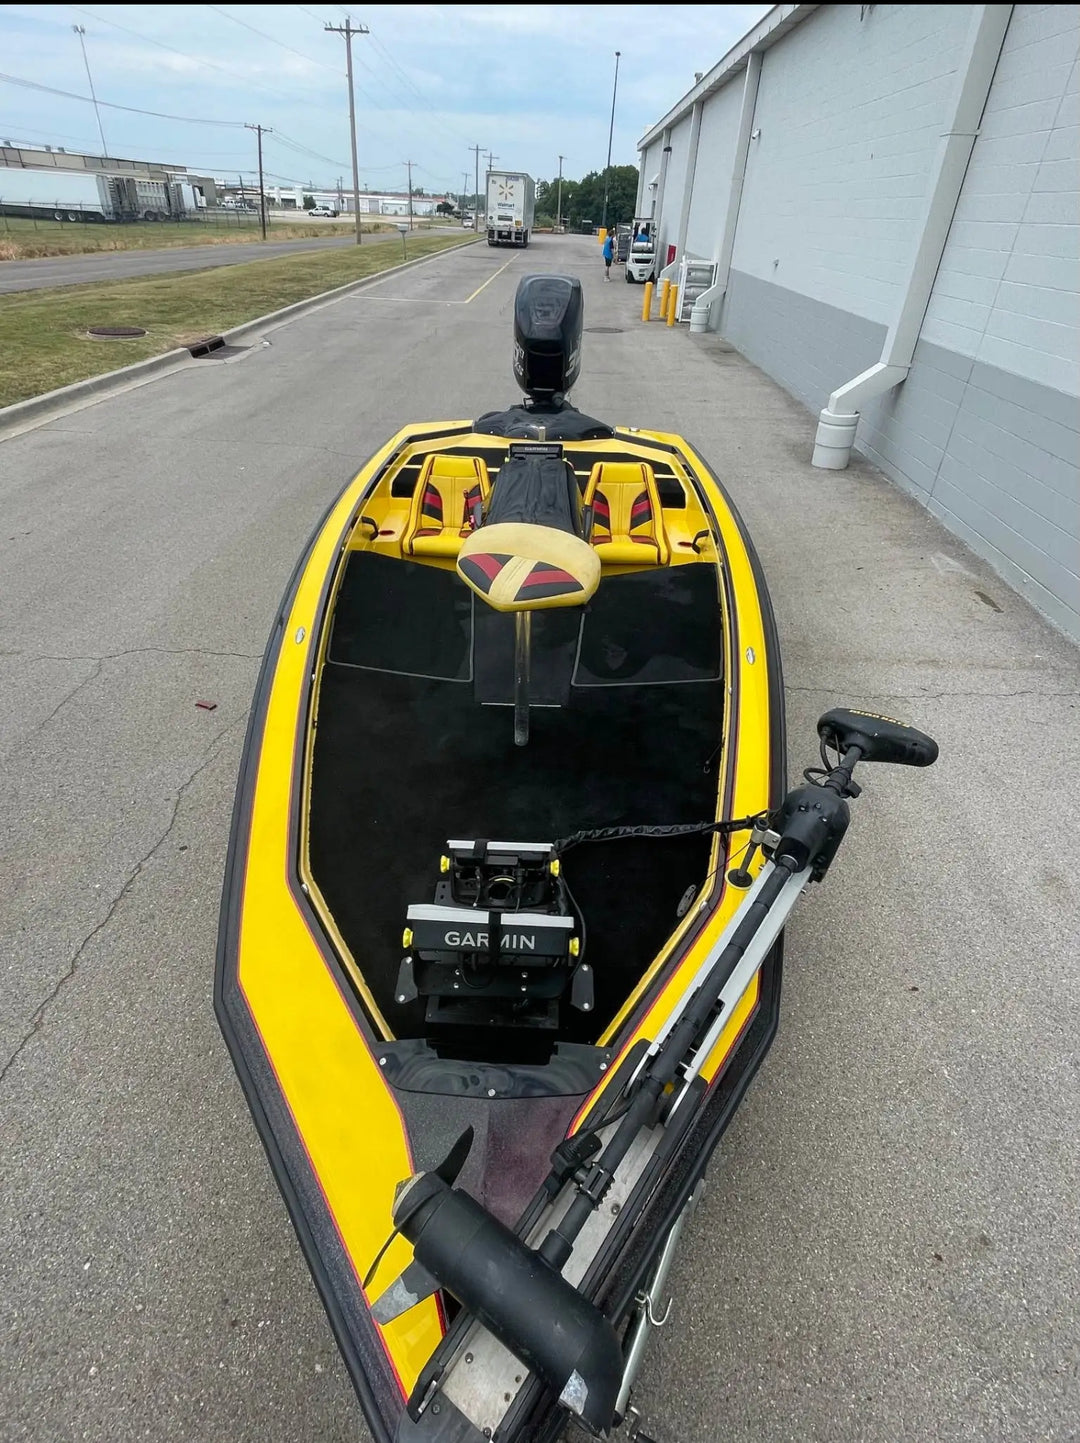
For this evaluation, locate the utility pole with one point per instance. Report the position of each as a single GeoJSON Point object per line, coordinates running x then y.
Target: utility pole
{"type": "Point", "coordinates": [261, 130]}
{"type": "Point", "coordinates": [340, 196]}
{"type": "Point", "coordinates": [558, 217]}
{"type": "Point", "coordinates": [611, 132]}
{"type": "Point", "coordinates": [349, 30]}
{"type": "Point", "coordinates": [409, 165]}
{"type": "Point", "coordinates": [476, 221]}
{"type": "Point", "coordinates": [80, 31]}
{"type": "Point", "coordinates": [464, 189]}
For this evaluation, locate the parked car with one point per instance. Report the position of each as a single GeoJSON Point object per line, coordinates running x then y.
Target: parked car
{"type": "Point", "coordinates": [323, 210]}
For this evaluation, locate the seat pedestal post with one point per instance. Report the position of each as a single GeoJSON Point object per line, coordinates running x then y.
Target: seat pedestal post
{"type": "Point", "coordinates": [522, 660]}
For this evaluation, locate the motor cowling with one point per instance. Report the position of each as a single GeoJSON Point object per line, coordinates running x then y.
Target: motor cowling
{"type": "Point", "coordinates": [548, 317]}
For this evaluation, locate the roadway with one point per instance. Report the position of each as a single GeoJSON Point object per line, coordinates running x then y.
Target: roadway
{"type": "Point", "coordinates": [889, 1248]}
{"type": "Point", "coordinates": [80, 270]}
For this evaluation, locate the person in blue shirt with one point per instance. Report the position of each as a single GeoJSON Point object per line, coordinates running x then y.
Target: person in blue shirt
{"type": "Point", "coordinates": [609, 256]}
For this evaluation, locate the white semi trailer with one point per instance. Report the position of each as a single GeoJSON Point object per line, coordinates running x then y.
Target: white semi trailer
{"type": "Point", "coordinates": [75, 196]}
{"type": "Point", "coordinates": [511, 206]}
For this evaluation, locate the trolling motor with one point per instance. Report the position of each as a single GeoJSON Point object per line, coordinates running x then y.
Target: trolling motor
{"type": "Point", "coordinates": [517, 1292]}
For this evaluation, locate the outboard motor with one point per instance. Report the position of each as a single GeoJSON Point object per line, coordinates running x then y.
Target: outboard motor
{"type": "Point", "coordinates": [548, 315]}
{"type": "Point", "coordinates": [549, 312]}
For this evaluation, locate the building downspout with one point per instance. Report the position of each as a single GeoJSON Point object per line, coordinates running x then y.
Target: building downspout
{"type": "Point", "coordinates": [688, 184]}
{"type": "Point", "coordinates": [701, 314]}
{"type": "Point", "coordinates": [839, 420]}
{"type": "Point", "coordinates": [658, 198]}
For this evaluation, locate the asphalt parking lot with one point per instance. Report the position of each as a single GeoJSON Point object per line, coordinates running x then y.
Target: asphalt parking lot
{"type": "Point", "coordinates": [889, 1248]}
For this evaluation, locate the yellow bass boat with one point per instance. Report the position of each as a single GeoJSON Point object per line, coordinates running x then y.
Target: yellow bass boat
{"type": "Point", "coordinates": [512, 852]}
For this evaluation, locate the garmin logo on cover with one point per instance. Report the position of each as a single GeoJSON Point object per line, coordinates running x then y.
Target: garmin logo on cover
{"type": "Point", "coordinates": [511, 941]}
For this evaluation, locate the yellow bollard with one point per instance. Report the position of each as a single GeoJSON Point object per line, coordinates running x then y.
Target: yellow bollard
{"type": "Point", "coordinates": [665, 291]}
{"type": "Point", "coordinates": [673, 305]}
{"type": "Point", "coordinates": [646, 304]}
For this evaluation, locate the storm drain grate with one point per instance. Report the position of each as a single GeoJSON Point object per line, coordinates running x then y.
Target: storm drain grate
{"type": "Point", "coordinates": [207, 347]}
{"type": "Point", "coordinates": [115, 333]}
{"type": "Point", "coordinates": [605, 330]}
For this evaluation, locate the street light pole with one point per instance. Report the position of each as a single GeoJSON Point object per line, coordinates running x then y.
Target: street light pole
{"type": "Point", "coordinates": [558, 216]}
{"type": "Point", "coordinates": [349, 30]}
{"type": "Point", "coordinates": [611, 132]}
{"type": "Point", "coordinates": [80, 31]}
{"type": "Point", "coordinates": [410, 164]}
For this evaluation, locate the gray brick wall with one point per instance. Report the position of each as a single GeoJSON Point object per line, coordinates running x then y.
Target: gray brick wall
{"type": "Point", "coordinates": [809, 347]}
{"type": "Point", "coordinates": [997, 458]}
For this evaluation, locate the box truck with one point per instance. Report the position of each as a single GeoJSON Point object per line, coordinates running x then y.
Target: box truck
{"type": "Point", "coordinates": [511, 204]}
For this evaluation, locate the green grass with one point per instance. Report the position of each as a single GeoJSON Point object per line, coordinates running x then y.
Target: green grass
{"type": "Point", "coordinates": [44, 331]}
{"type": "Point", "coordinates": [23, 239]}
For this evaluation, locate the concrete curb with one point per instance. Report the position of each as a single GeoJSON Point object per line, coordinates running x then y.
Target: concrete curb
{"type": "Point", "coordinates": [17, 417]}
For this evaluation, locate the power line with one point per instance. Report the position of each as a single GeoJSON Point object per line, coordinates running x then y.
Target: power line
{"type": "Point", "coordinates": [184, 55]}
{"type": "Point", "coordinates": [297, 145]}
{"type": "Point", "coordinates": [263, 35]}
{"type": "Point", "coordinates": [110, 105]}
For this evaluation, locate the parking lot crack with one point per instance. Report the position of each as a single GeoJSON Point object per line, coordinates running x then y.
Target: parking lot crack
{"type": "Point", "coordinates": [72, 968]}
{"type": "Point", "coordinates": [932, 695]}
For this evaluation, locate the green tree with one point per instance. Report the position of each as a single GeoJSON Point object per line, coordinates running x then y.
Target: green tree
{"type": "Point", "coordinates": [584, 200]}
{"type": "Point", "coordinates": [309, 202]}
{"type": "Point", "coordinates": [444, 207]}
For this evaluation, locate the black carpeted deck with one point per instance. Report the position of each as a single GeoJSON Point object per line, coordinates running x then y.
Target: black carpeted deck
{"type": "Point", "coordinates": [403, 761]}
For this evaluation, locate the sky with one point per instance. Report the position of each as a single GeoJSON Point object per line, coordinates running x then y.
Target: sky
{"type": "Point", "coordinates": [527, 82]}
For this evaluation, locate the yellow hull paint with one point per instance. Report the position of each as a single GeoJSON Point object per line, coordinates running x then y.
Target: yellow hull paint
{"type": "Point", "coordinates": [326, 1070]}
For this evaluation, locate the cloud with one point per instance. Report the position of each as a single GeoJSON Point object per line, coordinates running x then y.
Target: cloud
{"type": "Point", "coordinates": [528, 81]}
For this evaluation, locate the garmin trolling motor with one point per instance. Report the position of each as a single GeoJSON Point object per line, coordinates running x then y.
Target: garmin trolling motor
{"type": "Point", "coordinates": [518, 1293]}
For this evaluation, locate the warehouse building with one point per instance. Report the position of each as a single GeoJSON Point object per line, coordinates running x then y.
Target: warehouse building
{"type": "Point", "coordinates": [877, 205]}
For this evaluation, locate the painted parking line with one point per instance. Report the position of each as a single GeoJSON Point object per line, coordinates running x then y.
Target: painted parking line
{"type": "Point", "coordinates": [495, 277]}
{"type": "Point", "coordinates": [434, 300]}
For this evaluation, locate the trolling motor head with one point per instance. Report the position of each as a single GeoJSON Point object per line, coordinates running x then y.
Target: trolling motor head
{"type": "Point", "coordinates": [548, 315]}
{"type": "Point", "coordinates": [879, 738]}
{"type": "Point", "coordinates": [813, 818]}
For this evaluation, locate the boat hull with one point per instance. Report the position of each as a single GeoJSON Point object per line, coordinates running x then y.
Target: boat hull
{"type": "Point", "coordinates": [346, 1108]}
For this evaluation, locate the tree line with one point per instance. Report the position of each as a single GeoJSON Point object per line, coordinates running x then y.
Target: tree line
{"type": "Point", "coordinates": [583, 200]}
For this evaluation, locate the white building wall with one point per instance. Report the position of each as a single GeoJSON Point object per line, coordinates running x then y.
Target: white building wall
{"type": "Point", "coordinates": [985, 430]}
{"type": "Point", "coordinates": [1013, 249]}
{"type": "Point", "coordinates": [712, 178]}
{"type": "Point", "coordinates": [849, 112]}
{"type": "Point", "coordinates": [650, 171]}
{"type": "Point", "coordinates": [673, 186]}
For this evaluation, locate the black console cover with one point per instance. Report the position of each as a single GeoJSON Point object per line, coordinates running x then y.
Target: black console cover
{"type": "Point", "coordinates": [538, 490]}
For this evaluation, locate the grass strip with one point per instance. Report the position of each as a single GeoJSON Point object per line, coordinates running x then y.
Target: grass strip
{"type": "Point", "coordinates": [23, 239]}
{"type": "Point", "coordinates": [43, 334]}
